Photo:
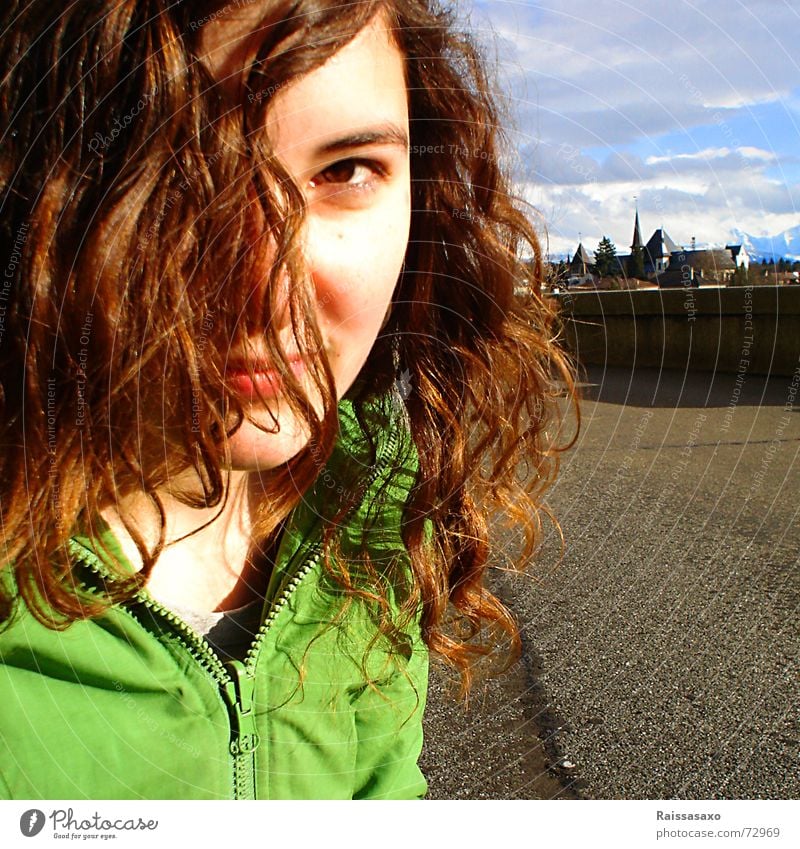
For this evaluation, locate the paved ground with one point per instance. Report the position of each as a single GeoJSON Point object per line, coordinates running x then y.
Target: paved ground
{"type": "Point", "coordinates": [661, 653]}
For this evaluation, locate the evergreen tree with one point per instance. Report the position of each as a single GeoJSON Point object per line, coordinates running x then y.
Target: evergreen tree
{"type": "Point", "coordinates": [605, 258]}
{"type": "Point", "coordinates": [562, 273]}
{"type": "Point", "coordinates": [741, 277]}
{"type": "Point", "coordinates": [636, 263]}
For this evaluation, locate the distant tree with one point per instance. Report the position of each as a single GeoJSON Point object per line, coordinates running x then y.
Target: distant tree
{"type": "Point", "coordinates": [605, 258]}
{"type": "Point", "coordinates": [771, 270]}
{"type": "Point", "coordinates": [563, 274]}
{"type": "Point", "coordinates": [705, 266]}
{"type": "Point", "coordinates": [741, 277]}
{"type": "Point", "coordinates": [555, 275]}
{"type": "Point", "coordinates": [636, 263]}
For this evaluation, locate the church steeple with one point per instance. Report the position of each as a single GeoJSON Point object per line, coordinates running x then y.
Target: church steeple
{"type": "Point", "coordinates": [637, 233]}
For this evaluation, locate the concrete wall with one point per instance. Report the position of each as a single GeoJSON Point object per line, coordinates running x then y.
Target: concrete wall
{"type": "Point", "coordinates": [753, 328]}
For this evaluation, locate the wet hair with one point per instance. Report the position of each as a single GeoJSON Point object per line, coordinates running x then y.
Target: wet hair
{"type": "Point", "coordinates": [127, 181]}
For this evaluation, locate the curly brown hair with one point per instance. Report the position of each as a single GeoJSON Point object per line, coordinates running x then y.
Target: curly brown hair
{"type": "Point", "coordinates": [127, 183]}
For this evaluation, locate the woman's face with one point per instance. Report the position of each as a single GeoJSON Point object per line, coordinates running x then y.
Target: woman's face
{"type": "Point", "coordinates": [342, 133]}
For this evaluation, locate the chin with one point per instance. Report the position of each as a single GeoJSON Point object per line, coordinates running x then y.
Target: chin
{"type": "Point", "coordinates": [254, 450]}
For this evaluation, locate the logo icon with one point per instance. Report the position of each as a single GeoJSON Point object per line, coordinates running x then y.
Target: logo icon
{"type": "Point", "coordinates": [403, 385]}
{"type": "Point", "coordinates": [31, 822]}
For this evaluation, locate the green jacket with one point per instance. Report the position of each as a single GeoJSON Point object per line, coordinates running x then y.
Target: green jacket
{"type": "Point", "coordinates": [134, 704]}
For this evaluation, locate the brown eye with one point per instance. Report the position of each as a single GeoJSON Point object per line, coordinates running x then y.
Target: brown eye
{"type": "Point", "coordinates": [349, 173]}
{"type": "Point", "coordinates": [339, 172]}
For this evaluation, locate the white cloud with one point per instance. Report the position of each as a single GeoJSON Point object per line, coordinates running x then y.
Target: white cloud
{"type": "Point", "coordinates": [686, 206]}
{"type": "Point", "coordinates": [715, 153]}
{"type": "Point", "coordinates": [589, 71]}
{"type": "Point", "coordinates": [688, 85]}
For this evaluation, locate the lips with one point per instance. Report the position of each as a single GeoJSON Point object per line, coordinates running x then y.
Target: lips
{"type": "Point", "coordinates": [258, 379]}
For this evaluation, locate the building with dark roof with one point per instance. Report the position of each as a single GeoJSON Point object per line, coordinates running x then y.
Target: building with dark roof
{"type": "Point", "coordinates": [669, 264]}
{"type": "Point", "coordinates": [658, 250]}
{"type": "Point", "coordinates": [580, 264]}
{"type": "Point", "coordinates": [740, 255]}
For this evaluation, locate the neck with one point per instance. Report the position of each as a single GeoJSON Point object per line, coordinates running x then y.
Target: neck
{"type": "Point", "coordinates": [209, 561]}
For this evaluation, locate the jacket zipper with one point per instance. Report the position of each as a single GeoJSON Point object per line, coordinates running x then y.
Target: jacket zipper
{"type": "Point", "coordinates": [235, 680]}
{"type": "Point", "coordinates": [236, 690]}
{"type": "Point", "coordinates": [313, 556]}
{"type": "Point", "coordinates": [239, 692]}
{"type": "Point", "coordinates": [244, 734]}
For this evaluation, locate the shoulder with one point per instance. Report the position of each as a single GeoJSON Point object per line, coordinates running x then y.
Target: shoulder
{"type": "Point", "coordinates": [381, 423]}
{"type": "Point", "coordinates": [369, 477]}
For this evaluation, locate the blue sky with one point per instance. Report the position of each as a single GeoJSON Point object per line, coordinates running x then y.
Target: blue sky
{"type": "Point", "coordinates": [692, 107]}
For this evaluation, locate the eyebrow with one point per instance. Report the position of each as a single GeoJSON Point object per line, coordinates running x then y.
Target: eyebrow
{"type": "Point", "coordinates": [383, 134]}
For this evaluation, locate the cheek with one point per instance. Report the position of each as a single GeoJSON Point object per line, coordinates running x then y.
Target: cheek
{"type": "Point", "coordinates": [355, 274]}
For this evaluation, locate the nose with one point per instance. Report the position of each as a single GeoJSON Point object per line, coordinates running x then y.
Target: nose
{"type": "Point", "coordinates": [261, 252]}
{"type": "Point", "coordinates": [280, 290]}
{"type": "Point", "coordinates": [269, 296]}
{"type": "Point", "coordinates": [268, 301]}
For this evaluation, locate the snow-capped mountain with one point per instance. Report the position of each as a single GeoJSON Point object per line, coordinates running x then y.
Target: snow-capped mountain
{"type": "Point", "coordinates": [786, 244]}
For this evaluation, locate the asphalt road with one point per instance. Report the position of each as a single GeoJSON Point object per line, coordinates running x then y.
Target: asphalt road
{"type": "Point", "coordinates": [661, 651]}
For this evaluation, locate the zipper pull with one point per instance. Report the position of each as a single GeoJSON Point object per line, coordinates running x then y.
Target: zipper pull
{"type": "Point", "coordinates": [240, 692]}
{"type": "Point", "coordinates": [244, 735]}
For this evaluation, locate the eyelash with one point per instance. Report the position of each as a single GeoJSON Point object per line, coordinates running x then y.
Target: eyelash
{"type": "Point", "coordinates": [376, 169]}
